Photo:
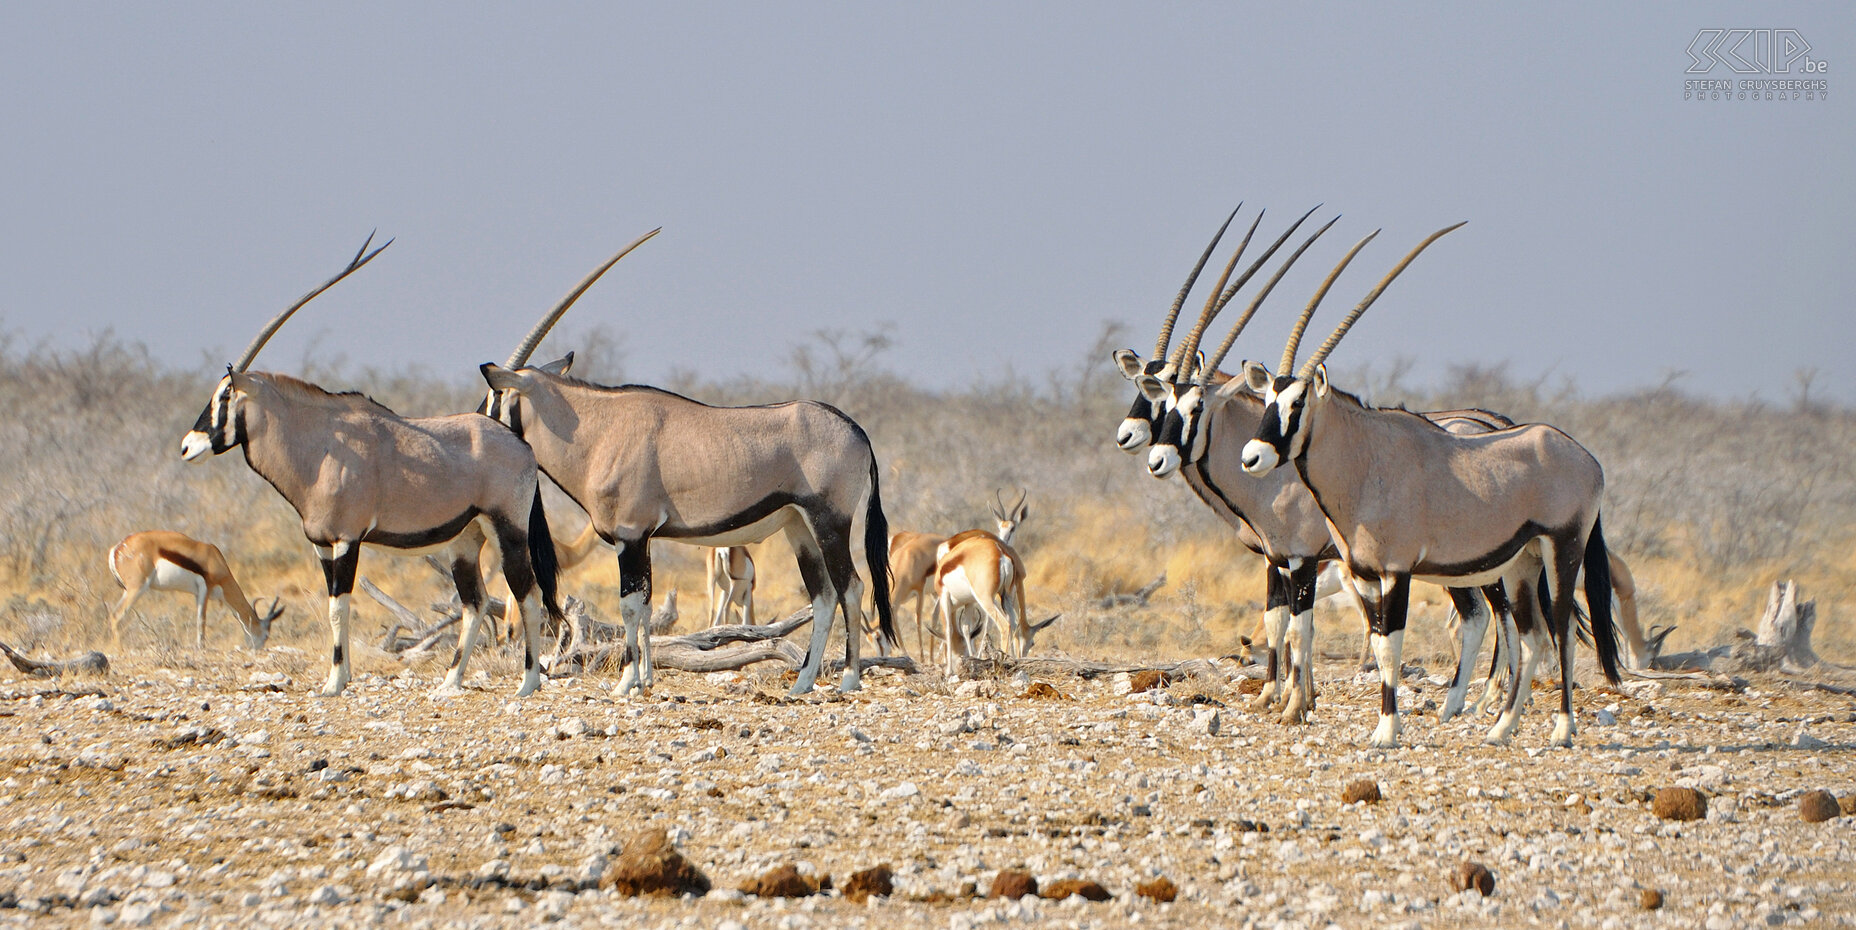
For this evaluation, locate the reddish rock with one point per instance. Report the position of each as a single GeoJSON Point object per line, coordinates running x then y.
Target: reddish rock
{"type": "Point", "coordinates": [1364, 789]}
{"type": "Point", "coordinates": [1080, 887]}
{"type": "Point", "coordinates": [1818, 806]}
{"type": "Point", "coordinates": [878, 882]}
{"type": "Point", "coordinates": [1041, 691]}
{"type": "Point", "coordinates": [1012, 883]}
{"type": "Point", "coordinates": [1475, 875]}
{"type": "Point", "coordinates": [1160, 890]}
{"type": "Point", "coordinates": [651, 866]}
{"type": "Point", "coordinates": [1650, 899]}
{"type": "Point", "coordinates": [1679, 804]}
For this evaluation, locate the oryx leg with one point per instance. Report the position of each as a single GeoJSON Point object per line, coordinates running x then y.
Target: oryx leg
{"type": "Point", "coordinates": [339, 562]}
{"type": "Point", "coordinates": [635, 609]}
{"type": "Point", "coordinates": [1473, 623]}
{"type": "Point", "coordinates": [835, 544]}
{"type": "Point", "coordinates": [461, 556]}
{"type": "Point", "coordinates": [1302, 574]}
{"type": "Point", "coordinates": [1275, 629]}
{"type": "Point", "coordinates": [1389, 609]}
{"type": "Point", "coordinates": [807, 549]}
{"type": "Point", "coordinates": [1563, 557]}
{"type": "Point", "coordinates": [1529, 645]}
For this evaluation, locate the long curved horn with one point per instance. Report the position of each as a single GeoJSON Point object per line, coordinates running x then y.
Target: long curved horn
{"type": "Point", "coordinates": [1166, 329]}
{"type": "Point", "coordinates": [519, 357]}
{"type": "Point", "coordinates": [1308, 312]}
{"type": "Point", "coordinates": [264, 335]}
{"type": "Point", "coordinates": [1250, 311]}
{"type": "Point", "coordinates": [1321, 354]}
{"type": "Point", "coordinates": [1183, 355]}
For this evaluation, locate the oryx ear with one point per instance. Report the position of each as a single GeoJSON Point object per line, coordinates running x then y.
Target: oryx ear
{"type": "Point", "coordinates": [1152, 389]}
{"type": "Point", "coordinates": [559, 366]}
{"type": "Point", "coordinates": [1321, 380]}
{"type": "Point", "coordinates": [1198, 365]}
{"type": "Point", "coordinates": [1257, 377]}
{"type": "Point", "coordinates": [500, 378]}
{"type": "Point", "coordinates": [1231, 389]}
{"type": "Point", "coordinates": [1130, 364]}
{"type": "Point", "coordinates": [241, 382]}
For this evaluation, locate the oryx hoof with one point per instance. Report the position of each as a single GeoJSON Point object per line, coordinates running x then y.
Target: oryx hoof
{"type": "Point", "coordinates": [1385, 736]}
{"type": "Point", "coordinates": [532, 685]}
{"type": "Point", "coordinates": [850, 682]}
{"type": "Point", "coordinates": [1563, 730]}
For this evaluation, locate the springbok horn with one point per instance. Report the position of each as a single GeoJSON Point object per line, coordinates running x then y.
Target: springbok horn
{"type": "Point", "coordinates": [519, 357]}
{"type": "Point", "coordinates": [1166, 329]}
{"type": "Point", "coordinates": [1182, 357]}
{"type": "Point", "coordinates": [998, 505]}
{"type": "Point", "coordinates": [264, 335]}
{"type": "Point", "coordinates": [1250, 311]}
{"type": "Point", "coordinates": [1321, 354]}
{"type": "Point", "coordinates": [1021, 500]}
{"type": "Point", "coordinates": [1308, 312]}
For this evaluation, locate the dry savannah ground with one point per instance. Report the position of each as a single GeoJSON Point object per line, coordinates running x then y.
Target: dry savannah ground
{"type": "Point", "coordinates": [211, 787]}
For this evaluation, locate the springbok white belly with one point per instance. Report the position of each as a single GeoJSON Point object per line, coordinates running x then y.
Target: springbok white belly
{"type": "Point", "coordinates": [171, 577]}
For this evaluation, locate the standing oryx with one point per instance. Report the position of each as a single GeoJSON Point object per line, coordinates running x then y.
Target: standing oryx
{"type": "Point", "coordinates": [646, 463]}
{"type": "Point", "coordinates": [1274, 517]}
{"type": "Point", "coordinates": [360, 474]}
{"type": "Point", "coordinates": [1405, 498]}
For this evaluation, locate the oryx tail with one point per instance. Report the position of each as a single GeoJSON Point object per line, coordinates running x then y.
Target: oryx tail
{"type": "Point", "coordinates": [876, 551]}
{"type": "Point", "coordinates": [1598, 598]}
{"type": "Point", "coordinates": [546, 561]}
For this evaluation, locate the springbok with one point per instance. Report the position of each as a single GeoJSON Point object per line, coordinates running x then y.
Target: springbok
{"type": "Point", "coordinates": [1462, 509]}
{"type": "Point", "coordinates": [731, 574]}
{"type": "Point", "coordinates": [977, 571]}
{"type": "Point", "coordinates": [162, 560]}
{"type": "Point", "coordinates": [646, 463]}
{"type": "Point", "coordinates": [1275, 517]}
{"type": "Point", "coordinates": [360, 474]}
{"type": "Point", "coordinates": [911, 573]}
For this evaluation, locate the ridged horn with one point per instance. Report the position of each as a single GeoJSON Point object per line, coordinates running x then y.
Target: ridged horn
{"type": "Point", "coordinates": [264, 335]}
{"type": "Point", "coordinates": [1166, 329]}
{"type": "Point", "coordinates": [1231, 337]}
{"type": "Point", "coordinates": [1308, 312]}
{"type": "Point", "coordinates": [519, 357]}
{"type": "Point", "coordinates": [1321, 354]}
{"type": "Point", "coordinates": [1182, 357]}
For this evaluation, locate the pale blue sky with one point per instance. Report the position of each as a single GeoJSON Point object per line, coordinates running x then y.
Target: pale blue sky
{"type": "Point", "coordinates": [991, 179]}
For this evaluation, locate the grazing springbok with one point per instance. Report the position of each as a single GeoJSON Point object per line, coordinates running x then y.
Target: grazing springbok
{"type": "Point", "coordinates": [976, 571]}
{"type": "Point", "coordinates": [731, 575]}
{"type": "Point", "coordinates": [1275, 517]}
{"type": "Point", "coordinates": [911, 573]}
{"type": "Point", "coordinates": [1406, 498]}
{"type": "Point", "coordinates": [360, 474]}
{"type": "Point", "coordinates": [645, 463]}
{"type": "Point", "coordinates": [161, 560]}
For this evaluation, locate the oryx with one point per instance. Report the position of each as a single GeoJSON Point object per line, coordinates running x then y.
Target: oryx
{"type": "Point", "coordinates": [1275, 517]}
{"type": "Point", "coordinates": [360, 474]}
{"type": "Point", "coordinates": [646, 463]}
{"type": "Point", "coordinates": [1406, 498]}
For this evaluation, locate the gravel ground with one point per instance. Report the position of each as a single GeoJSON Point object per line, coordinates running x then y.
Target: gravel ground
{"type": "Point", "coordinates": [225, 794]}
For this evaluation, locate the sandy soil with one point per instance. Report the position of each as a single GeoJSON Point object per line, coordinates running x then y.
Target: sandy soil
{"type": "Point", "coordinates": [222, 793]}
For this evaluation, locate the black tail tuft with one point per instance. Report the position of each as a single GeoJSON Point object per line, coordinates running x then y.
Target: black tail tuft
{"type": "Point", "coordinates": [546, 561]}
{"type": "Point", "coordinates": [1598, 599]}
{"type": "Point", "coordinates": [876, 552]}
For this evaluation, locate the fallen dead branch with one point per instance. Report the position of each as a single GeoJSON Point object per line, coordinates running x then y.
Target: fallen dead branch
{"type": "Point", "coordinates": [94, 663]}
{"type": "Point", "coordinates": [1137, 599]}
{"type": "Point", "coordinates": [593, 643]}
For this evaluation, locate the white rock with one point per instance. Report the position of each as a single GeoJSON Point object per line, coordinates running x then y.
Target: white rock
{"type": "Point", "coordinates": [396, 859]}
{"type": "Point", "coordinates": [326, 896]}
{"type": "Point", "coordinates": [255, 738]}
{"type": "Point", "coordinates": [905, 790]}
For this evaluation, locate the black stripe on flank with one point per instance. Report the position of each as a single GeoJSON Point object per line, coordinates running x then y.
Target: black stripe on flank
{"type": "Point", "coordinates": [423, 538]}
{"type": "Point", "coordinates": [754, 513]}
{"type": "Point", "coordinates": [1492, 560]}
{"type": "Point", "coordinates": [181, 561]}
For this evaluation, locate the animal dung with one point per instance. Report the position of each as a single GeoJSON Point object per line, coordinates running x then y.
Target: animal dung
{"type": "Point", "coordinates": [1679, 804]}
{"type": "Point", "coordinates": [1475, 875]}
{"type": "Point", "coordinates": [1160, 890]}
{"type": "Point", "coordinates": [1081, 887]}
{"type": "Point", "coordinates": [650, 865]}
{"type": "Point", "coordinates": [785, 881]}
{"type": "Point", "coordinates": [1650, 899]}
{"type": "Point", "coordinates": [1818, 806]}
{"type": "Point", "coordinates": [873, 882]}
{"type": "Point", "coordinates": [1013, 883]}
{"type": "Point", "coordinates": [1364, 789]}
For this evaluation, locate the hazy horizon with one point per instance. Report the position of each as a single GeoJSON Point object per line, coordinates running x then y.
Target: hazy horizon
{"type": "Point", "coordinates": [988, 184]}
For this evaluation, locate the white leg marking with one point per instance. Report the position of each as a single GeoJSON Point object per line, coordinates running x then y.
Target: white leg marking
{"type": "Point", "coordinates": [1301, 670]}
{"type": "Point", "coordinates": [1388, 650]}
{"type": "Point", "coordinates": [1469, 641]}
{"type": "Point", "coordinates": [338, 638]}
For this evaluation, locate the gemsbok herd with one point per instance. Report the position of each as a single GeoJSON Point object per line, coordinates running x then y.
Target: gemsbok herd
{"type": "Point", "coordinates": [1341, 498]}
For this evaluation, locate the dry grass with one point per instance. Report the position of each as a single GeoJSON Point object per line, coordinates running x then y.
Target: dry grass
{"type": "Point", "coordinates": [89, 447]}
